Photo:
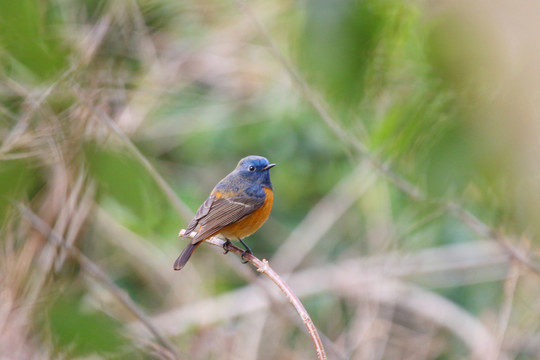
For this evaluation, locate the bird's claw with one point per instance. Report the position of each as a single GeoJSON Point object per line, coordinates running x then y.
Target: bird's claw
{"type": "Point", "coordinates": [244, 261]}
{"type": "Point", "coordinates": [247, 251]}
{"type": "Point", "coordinates": [226, 246]}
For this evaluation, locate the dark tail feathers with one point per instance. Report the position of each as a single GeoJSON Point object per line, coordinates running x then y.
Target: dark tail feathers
{"type": "Point", "coordinates": [185, 255]}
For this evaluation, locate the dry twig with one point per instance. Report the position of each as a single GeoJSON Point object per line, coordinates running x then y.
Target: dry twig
{"type": "Point", "coordinates": [374, 280]}
{"type": "Point", "coordinates": [264, 267]}
{"type": "Point", "coordinates": [182, 209]}
{"type": "Point", "coordinates": [94, 272]}
{"type": "Point", "coordinates": [506, 309]}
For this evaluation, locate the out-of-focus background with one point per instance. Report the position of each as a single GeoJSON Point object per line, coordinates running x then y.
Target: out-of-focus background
{"type": "Point", "coordinates": [407, 191]}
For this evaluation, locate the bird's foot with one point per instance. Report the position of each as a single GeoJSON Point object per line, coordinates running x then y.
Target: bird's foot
{"type": "Point", "coordinates": [226, 246]}
{"type": "Point", "coordinates": [244, 261]}
{"type": "Point", "coordinates": [247, 251]}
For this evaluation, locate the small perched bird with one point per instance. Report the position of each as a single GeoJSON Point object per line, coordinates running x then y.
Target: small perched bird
{"type": "Point", "coordinates": [237, 207]}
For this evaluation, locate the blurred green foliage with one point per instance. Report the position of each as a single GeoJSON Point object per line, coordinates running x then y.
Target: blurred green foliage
{"type": "Point", "coordinates": [18, 180]}
{"type": "Point", "coordinates": [32, 46]}
{"type": "Point", "coordinates": [83, 332]}
{"type": "Point", "coordinates": [348, 46]}
{"type": "Point", "coordinates": [409, 86]}
{"type": "Point", "coordinates": [124, 183]}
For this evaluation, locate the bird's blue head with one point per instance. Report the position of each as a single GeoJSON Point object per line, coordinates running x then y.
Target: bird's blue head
{"type": "Point", "coordinates": [255, 168]}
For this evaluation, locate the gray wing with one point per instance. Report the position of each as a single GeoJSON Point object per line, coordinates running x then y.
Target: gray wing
{"type": "Point", "coordinates": [217, 213]}
{"type": "Point", "coordinates": [201, 213]}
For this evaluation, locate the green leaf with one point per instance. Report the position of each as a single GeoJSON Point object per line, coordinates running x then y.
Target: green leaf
{"type": "Point", "coordinates": [83, 332]}
{"type": "Point", "coordinates": [29, 42]}
{"type": "Point", "coordinates": [17, 179]}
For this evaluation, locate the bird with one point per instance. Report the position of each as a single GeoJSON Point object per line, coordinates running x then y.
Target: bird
{"type": "Point", "coordinates": [237, 207]}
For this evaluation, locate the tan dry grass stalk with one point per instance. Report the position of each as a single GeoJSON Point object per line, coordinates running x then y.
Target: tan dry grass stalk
{"type": "Point", "coordinates": [264, 268]}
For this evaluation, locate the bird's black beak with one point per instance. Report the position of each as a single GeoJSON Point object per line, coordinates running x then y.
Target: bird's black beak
{"type": "Point", "coordinates": [269, 166]}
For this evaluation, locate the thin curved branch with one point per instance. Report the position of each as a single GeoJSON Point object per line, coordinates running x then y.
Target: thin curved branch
{"type": "Point", "coordinates": [376, 279]}
{"type": "Point", "coordinates": [263, 267]}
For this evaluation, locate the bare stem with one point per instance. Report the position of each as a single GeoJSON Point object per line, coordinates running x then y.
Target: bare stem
{"type": "Point", "coordinates": [182, 209]}
{"type": "Point", "coordinates": [95, 272]}
{"type": "Point", "coordinates": [510, 286]}
{"type": "Point", "coordinates": [263, 267]}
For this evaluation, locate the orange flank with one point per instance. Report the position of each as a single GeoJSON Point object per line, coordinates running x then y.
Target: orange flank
{"type": "Point", "coordinates": [252, 222]}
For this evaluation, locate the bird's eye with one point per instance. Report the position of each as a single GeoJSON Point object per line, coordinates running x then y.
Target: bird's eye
{"type": "Point", "coordinates": [251, 168]}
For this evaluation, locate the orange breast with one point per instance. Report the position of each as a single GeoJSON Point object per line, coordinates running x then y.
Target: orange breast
{"type": "Point", "coordinates": [252, 222]}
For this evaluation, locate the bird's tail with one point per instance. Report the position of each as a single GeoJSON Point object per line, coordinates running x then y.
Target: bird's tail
{"type": "Point", "coordinates": [185, 255]}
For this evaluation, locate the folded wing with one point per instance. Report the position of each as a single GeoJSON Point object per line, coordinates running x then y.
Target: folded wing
{"type": "Point", "coordinates": [218, 212]}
